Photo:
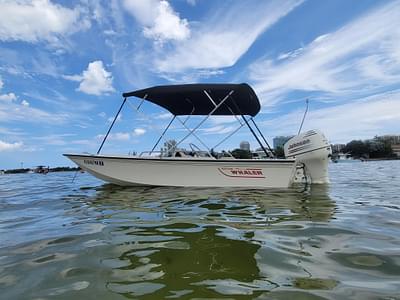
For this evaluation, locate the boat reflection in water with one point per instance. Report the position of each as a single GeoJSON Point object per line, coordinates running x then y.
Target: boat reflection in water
{"type": "Point", "coordinates": [168, 242]}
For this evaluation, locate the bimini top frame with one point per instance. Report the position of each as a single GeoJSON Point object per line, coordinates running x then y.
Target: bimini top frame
{"type": "Point", "coordinates": [201, 99]}
{"type": "Point", "coordinates": [188, 99]}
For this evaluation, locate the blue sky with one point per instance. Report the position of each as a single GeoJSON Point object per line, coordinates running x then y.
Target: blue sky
{"type": "Point", "coordinates": [64, 65]}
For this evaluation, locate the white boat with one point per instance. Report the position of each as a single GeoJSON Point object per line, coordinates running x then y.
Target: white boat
{"type": "Point", "coordinates": [306, 154]}
{"type": "Point", "coordinates": [342, 157]}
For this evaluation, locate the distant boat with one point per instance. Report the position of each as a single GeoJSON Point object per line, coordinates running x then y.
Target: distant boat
{"type": "Point", "coordinates": [306, 154]}
{"type": "Point", "coordinates": [41, 170]}
{"type": "Point", "coordinates": [342, 157]}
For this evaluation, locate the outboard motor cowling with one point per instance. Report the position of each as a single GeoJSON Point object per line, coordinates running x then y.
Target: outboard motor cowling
{"type": "Point", "coordinates": [311, 150]}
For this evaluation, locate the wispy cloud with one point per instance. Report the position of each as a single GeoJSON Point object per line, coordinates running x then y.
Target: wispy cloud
{"type": "Point", "coordinates": [219, 129]}
{"type": "Point", "coordinates": [370, 116]}
{"type": "Point", "coordinates": [118, 136]}
{"type": "Point", "coordinates": [225, 35]}
{"type": "Point", "coordinates": [10, 112]}
{"type": "Point", "coordinates": [11, 109]}
{"type": "Point", "coordinates": [123, 136]}
{"type": "Point", "coordinates": [53, 139]}
{"type": "Point", "coordinates": [11, 132]}
{"type": "Point", "coordinates": [362, 56]}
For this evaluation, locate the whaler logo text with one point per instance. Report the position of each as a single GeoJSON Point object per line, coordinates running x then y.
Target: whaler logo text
{"type": "Point", "coordinates": [301, 143]}
{"type": "Point", "coordinates": [93, 162]}
{"type": "Point", "coordinates": [242, 172]}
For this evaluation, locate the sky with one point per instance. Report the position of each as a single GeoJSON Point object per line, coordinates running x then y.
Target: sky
{"type": "Point", "coordinates": [65, 64]}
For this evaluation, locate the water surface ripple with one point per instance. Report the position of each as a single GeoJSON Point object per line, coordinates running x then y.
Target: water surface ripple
{"type": "Point", "coordinates": [89, 240]}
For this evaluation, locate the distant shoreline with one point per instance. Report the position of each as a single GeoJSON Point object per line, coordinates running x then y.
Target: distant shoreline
{"type": "Point", "coordinates": [28, 170]}
{"type": "Point", "coordinates": [382, 158]}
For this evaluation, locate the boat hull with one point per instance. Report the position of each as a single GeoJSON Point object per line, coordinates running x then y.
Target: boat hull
{"type": "Point", "coordinates": [183, 172]}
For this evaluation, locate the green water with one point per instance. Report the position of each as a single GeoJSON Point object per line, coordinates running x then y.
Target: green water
{"type": "Point", "coordinates": [87, 240]}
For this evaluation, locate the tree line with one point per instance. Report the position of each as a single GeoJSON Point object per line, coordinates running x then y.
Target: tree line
{"type": "Point", "coordinates": [369, 149]}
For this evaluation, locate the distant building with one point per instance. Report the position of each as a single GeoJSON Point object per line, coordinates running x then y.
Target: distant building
{"type": "Point", "coordinates": [396, 149]}
{"type": "Point", "coordinates": [245, 145]}
{"type": "Point", "coordinates": [336, 148]}
{"type": "Point", "coordinates": [392, 139]}
{"type": "Point", "coordinates": [279, 141]}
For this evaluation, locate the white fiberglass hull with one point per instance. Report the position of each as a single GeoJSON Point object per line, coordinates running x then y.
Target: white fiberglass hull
{"type": "Point", "coordinates": [184, 172]}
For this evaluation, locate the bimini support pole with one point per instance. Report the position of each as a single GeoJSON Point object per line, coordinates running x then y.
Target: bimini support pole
{"type": "Point", "coordinates": [265, 140]}
{"type": "Point", "coordinates": [258, 140]}
{"type": "Point", "coordinates": [112, 124]}
{"type": "Point", "coordinates": [163, 133]}
{"type": "Point", "coordinates": [229, 135]}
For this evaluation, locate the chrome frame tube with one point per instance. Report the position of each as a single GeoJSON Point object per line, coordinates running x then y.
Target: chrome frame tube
{"type": "Point", "coordinates": [265, 140]}
{"type": "Point", "coordinates": [201, 142]}
{"type": "Point", "coordinates": [205, 119]}
{"type": "Point", "coordinates": [162, 135]}
{"type": "Point", "coordinates": [111, 126]}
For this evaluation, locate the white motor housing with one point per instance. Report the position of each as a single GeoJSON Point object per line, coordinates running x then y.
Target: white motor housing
{"type": "Point", "coordinates": [312, 150]}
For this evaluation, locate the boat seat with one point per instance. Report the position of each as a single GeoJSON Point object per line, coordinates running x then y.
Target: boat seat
{"type": "Point", "coordinates": [180, 154]}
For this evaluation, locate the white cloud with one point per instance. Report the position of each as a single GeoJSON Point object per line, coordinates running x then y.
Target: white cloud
{"type": "Point", "coordinates": [110, 119]}
{"type": "Point", "coordinates": [95, 80]}
{"type": "Point", "coordinates": [118, 136]}
{"type": "Point", "coordinates": [4, 146]}
{"type": "Point", "coordinates": [139, 131]}
{"type": "Point", "coordinates": [167, 25]}
{"type": "Point", "coordinates": [8, 97]}
{"type": "Point", "coordinates": [193, 76]}
{"type": "Point", "coordinates": [160, 21]}
{"type": "Point", "coordinates": [145, 11]}
{"type": "Point", "coordinates": [84, 142]}
{"type": "Point", "coordinates": [360, 57]}
{"type": "Point", "coordinates": [36, 20]}
{"type": "Point", "coordinates": [219, 129]}
{"type": "Point", "coordinates": [122, 136]}
{"type": "Point", "coordinates": [223, 119]}
{"type": "Point", "coordinates": [53, 139]}
{"type": "Point", "coordinates": [163, 116]}
{"type": "Point", "coordinates": [374, 115]}
{"type": "Point", "coordinates": [224, 36]}
{"type": "Point", "coordinates": [25, 103]}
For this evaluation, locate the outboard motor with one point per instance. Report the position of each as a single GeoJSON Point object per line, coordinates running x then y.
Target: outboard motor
{"type": "Point", "coordinates": [311, 150]}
